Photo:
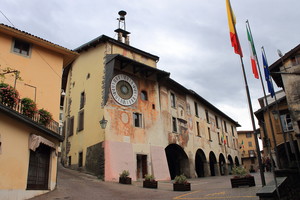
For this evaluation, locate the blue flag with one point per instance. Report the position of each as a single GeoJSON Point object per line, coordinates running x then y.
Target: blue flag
{"type": "Point", "coordinates": [267, 76]}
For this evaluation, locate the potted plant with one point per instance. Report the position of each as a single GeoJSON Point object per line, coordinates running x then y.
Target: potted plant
{"type": "Point", "coordinates": [124, 177]}
{"type": "Point", "coordinates": [28, 107]}
{"type": "Point", "coordinates": [241, 177]}
{"type": "Point", "coordinates": [9, 96]}
{"type": "Point", "coordinates": [181, 183]}
{"type": "Point", "coordinates": [149, 181]}
{"type": "Point", "coordinates": [45, 117]}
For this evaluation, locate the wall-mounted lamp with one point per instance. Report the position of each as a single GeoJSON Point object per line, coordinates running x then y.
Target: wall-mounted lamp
{"type": "Point", "coordinates": [103, 123]}
{"type": "Point", "coordinates": [275, 114]}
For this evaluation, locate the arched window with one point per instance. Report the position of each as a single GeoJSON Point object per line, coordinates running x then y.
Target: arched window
{"type": "Point", "coordinates": [144, 95]}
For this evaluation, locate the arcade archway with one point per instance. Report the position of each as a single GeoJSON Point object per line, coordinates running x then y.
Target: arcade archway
{"type": "Point", "coordinates": [178, 161]}
{"type": "Point", "coordinates": [212, 163]}
{"type": "Point", "coordinates": [200, 162]}
{"type": "Point", "coordinates": [222, 164]}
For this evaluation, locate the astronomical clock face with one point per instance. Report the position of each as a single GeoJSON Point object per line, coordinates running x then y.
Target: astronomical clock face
{"type": "Point", "coordinates": [124, 90]}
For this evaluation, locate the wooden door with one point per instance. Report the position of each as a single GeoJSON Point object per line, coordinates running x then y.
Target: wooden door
{"type": "Point", "coordinates": [38, 172]}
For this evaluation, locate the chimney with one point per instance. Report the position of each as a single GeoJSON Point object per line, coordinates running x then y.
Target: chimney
{"type": "Point", "coordinates": [122, 33]}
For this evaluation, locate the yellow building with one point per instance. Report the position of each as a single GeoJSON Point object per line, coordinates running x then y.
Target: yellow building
{"type": "Point", "coordinates": [153, 124]}
{"type": "Point", "coordinates": [277, 117]}
{"type": "Point", "coordinates": [28, 145]}
{"type": "Point", "coordinates": [248, 151]}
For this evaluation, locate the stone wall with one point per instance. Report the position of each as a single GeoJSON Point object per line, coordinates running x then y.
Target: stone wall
{"type": "Point", "coordinates": [95, 160]}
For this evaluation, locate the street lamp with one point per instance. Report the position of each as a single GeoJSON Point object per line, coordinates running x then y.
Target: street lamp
{"type": "Point", "coordinates": [103, 123]}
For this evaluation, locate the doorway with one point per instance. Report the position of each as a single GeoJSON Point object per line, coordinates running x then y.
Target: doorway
{"type": "Point", "coordinates": [141, 168]}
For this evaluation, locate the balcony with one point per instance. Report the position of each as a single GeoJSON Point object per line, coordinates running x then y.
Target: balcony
{"type": "Point", "coordinates": [16, 111]}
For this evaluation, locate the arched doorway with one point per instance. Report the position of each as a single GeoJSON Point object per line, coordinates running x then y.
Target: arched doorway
{"type": "Point", "coordinates": [222, 164]}
{"type": "Point", "coordinates": [236, 160]}
{"type": "Point", "coordinates": [230, 164]}
{"type": "Point", "coordinates": [200, 161]}
{"type": "Point", "coordinates": [178, 161]}
{"type": "Point", "coordinates": [282, 154]}
{"type": "Point", "coordinates": [212, 163]}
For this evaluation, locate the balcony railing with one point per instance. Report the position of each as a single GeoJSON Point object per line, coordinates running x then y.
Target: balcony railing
{"type": "Point", "coordinates": [18, 107]}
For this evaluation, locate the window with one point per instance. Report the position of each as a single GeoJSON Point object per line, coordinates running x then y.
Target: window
{"type": "Point", "coordinates": [217, 121]}
{"type": "Point", "coordinates": [198, 129]}
{"type": "Point", "coordinates": [80, 159]}
{"type": "Point", "coordinates": [286, 122]}
{"type": "Point", "coordinates": [250, 144]}
{"type": "Point", "coordinates": [207, 116]}
{"type": "Point", "coordinates": [248, 135]}
{"type": "Point", "coordinates": [144, 95]}
{"type": "Point", "coordinates": [137, 120]}
{"type": "Point", "coordinates": [232, 130]}
{"type": "Point", "coordinates": [82, 99]}
{"type": "Point", "coordinates": [251, 153]}
{"type": "Point", "coordinates": [173, 103]}
{"type": "Point", "coordinates": [174, 124]}
{"type": "Point", "coordinates": [209, 134]}
{"type": "Point", "coordinates": [225, 126]}
{"type": "Point", "coordinates": [88, 76]}
{"type": "Point", "coordinates": [227, 141]}
{"type": "Point", "coordinates": [219, 139]}
{"type": "Point", "coordinates": [80, 120]}
{"type": "Point", "coordinates": [196, 109]}
{"type": "Point", "coordinates": [21, 47]}
{"type": "Point", "coordinates": [71, 126]}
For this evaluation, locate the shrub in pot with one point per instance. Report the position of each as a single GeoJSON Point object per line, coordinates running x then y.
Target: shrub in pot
{"type": "Point", "coordinates": [45, 117]}
{"type": "Point", "coordinates": [181, 183]}
{"type": "Point", "coordinates": [241, 177]}
{"type": "Point", "coordinates": [124, 177]}
{"type": "Point", "coordinates": [149, 181]}
{"type": "Point", "coordinates": [28, 107]}
{"type": "Point", "coordinates": [9, 96]}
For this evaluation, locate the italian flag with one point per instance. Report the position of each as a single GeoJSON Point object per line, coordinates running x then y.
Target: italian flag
{"type": "Point", "coordinates": [233, 34]}
{"type": "Point", "coordinates": [252, 53]}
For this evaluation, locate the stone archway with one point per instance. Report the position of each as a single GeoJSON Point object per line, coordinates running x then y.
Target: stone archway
{"type": "Point", "coordinates": [237, 162]}
{"type": "Point", "coordinates": [178, 161]}
{"type": "Point", "coordinates": [200, 163]}
{"type": "Point", "coordinates": [222, 164]}
{"type": "Point", "coordinates": [212, 163]}
{"type": "Point", "coordinates": [230, 164]}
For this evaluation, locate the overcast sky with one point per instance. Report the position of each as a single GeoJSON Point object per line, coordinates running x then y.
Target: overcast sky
{"type": "Point", "coordinates": [191, 37]}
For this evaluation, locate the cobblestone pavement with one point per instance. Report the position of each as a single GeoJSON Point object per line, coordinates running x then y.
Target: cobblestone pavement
{"type": "Point", "coordinates": [74, 185]}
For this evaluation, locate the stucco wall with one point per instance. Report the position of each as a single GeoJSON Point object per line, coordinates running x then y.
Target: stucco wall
{"type": "Point", "coordinates": [41, 69]}
{"type": "Point", "coordinates": [14, 160]}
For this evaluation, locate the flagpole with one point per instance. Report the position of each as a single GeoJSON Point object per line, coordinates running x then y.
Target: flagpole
{"type": "Point", "coordinates": [231, 23]}
{"type": "Point", "coordinates": [267, 104]}
{"type": "Point", "coordinates": [262, 176]}
{"type": "Point", "coordinates": [277, 112]}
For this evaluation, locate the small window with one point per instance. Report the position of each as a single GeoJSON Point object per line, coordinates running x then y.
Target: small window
{"type": "Point", "coordinates": [219, 139]}
{"type": "Point", "coordinates": [82, 99]}
{"type": "Point", "coordinates": [250, 144]}
{"type": "Point", "coordinates": [21, 47]}
{"type": "Point", "coordinates": [217, 121]}
{"type": "Point", "coordinates": [88, 76]}
{"type": "Point", "coordinates": [144, 95]}
{"type": "Point", "coordinates": [251, 153]}
{"type": "Point", "coordinates": [227, 141]}
{"type": "Point", "coordinates": [225, 126]}
{"type": "Point", "coordinates": [196, 109]}
{"type": "Point", "coordinates": [248, 135]}
{"type": "Point", "coordinates": [232, 130]}
{"type": "Point", "coordinates": [173, 102]}
{"type": "Point", "coordinates": [137, 120]}
{"type": "Point", "coordinates": [209, 134]}
{"type": "Point", "coordinates": [198, 129]}
{"type": "Point", "coordinates": [174, 124]}
{"type": "Point", "coordinates": [71, 126]}
{"type": "Point", "coordinates": [286, 122]}
{"type": "Point", "coordinates": [207, 116]}
{"type": "Point", "coordinates": [81, 120]}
